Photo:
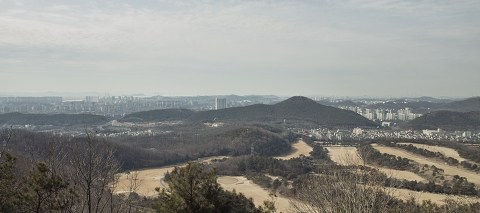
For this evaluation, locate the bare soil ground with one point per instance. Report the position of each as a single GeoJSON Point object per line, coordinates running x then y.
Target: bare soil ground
{"type": "Point", "coordinates": [300, 148]}
{"type": "Point", "coordinates": [448, 152]}
{"type": "Point", "coordinates": [349, 156]}
{"type": "Point", "coordinates": [242, 185]}
{"type": "Point", "coordinates": [448, 170]}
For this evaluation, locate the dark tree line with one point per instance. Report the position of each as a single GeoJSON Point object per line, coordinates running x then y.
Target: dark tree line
{"type": "Point", "coordinates": [457, 186]}
{"type": "Point", "coordinates": [245, 165]}
{"type": "Point", "coordinates": [321, 153]}
{"type": "Point", "coordinates": [372, 156]}
{"type": "Point", "coordinates": [427, 153]}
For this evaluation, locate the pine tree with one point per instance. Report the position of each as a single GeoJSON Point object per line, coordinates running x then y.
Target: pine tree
{"type": "Point", "coordinates": [44, 190]}
{"type": "Point", "coordinates": [194, 189]}
{"type": "Point", "coordinates": [8, 193]}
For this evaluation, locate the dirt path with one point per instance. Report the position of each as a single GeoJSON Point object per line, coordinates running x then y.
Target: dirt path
{"type": "Point", "coordinates": [300, 148]}
{"type": "Point", "coordinates": [449, 170]}
{"type": "Point", "coordinates": [448, 152]}
{"type": "Point", "coordinates": [349, 156]}
{"type": "Point", "coordinates": [242, 185]}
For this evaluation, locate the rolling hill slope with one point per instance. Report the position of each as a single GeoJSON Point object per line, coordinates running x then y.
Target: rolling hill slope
{"type": "Point", "coordinates": [447, 120]}
{"type": "Point", "coordinates": [295, 109]}
{"type": "Point", "coordinates": [159, 115]}
{"type": "Point", "coordinates": [467, 105]}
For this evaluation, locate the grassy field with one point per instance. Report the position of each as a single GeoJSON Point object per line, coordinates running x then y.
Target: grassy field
{"type": "Point", "coordinates": [406, 194]}
{"type": "Point", "coordinates": [249, 189]}
{"type": "Point", "coordinates": [300, 148]}
{"type": "Point", "coordinates": [449, 170]}
{"type": "Point", "coordinates": [150, 178]}
{"type": "Point", "coordinates": [349, 156]}
{"type": "Point", "coordinates": [399, 174]}
{"type": "Point", "coordinates": [147, 180]}
{"type": "Point", "coordinates": [448, 152]}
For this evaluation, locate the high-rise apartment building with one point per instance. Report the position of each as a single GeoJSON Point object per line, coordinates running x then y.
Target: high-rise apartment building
{"type": "Point", "coordinates": [220, 103]}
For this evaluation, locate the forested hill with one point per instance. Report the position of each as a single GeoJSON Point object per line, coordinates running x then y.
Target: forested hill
{"type": "Point", "coordinates": [159, 115]}
{"type": "Point", "coordinates": [188, 143]}
{"type": "Point", "coordinates": [296, 109]}
{"type": "Point", "coordinates": [51, 119]}
{"type": "Point", "coordinates": [293, 109]}
{"type": "Point", "coordinates": [467, 105]}
{"type": "Point", "coordinates": [447, 120]}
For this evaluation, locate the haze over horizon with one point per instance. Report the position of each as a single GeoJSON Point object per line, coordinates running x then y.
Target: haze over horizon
{"type": "Point", "coordinates": [168, 47]}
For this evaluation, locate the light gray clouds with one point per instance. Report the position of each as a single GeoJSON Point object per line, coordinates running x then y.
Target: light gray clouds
{"type": "Point", "coordinates": [350, 47]}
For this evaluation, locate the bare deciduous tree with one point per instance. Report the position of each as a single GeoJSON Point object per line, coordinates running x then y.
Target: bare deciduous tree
{"type": "Point", "coordinates": [6, 136]}
{"type": "Point", "coordinates": [340, 192]}
{"type": "Point", "coordinates": [93, 167]}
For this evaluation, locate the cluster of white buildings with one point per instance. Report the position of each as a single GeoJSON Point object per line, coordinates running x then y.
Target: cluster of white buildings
{"type": "Point", "coordinates": [110, 105]}
{"type": "Point", "coordinates": [385, 114]}
{"type": "Point", "coordinates": [326, 134]}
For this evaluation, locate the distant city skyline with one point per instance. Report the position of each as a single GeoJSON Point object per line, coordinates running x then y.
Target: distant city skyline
{"type": "Point", "coordinates": [84, 95]}
{"type": "Point", "coordinates": [353, 48]}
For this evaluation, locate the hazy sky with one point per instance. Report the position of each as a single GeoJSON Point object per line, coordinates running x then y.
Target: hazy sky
{"type": "Point", "coordinates": [173, 47]}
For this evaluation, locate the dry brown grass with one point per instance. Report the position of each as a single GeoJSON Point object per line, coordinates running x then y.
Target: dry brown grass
{"type": "Point", "coordinates": [399, 174]}
{"type": "Point", "coordinates": [149, 179]}
{"type": "Point", "coordinates": [345, 155]}
{"type": "Point", "coordinates": [350, 156]}
{"type": "Point", "coordinates": [448, 152]}
{"type": "Point", "coordinates": [300, 148]}
{"type": "Point", "coordinates": [448, 170]}
{"type": "Point", "coordinates": [339, 154]}
{"type": "Point", "coordinates": [406, 194]}
{"type": "Point", "coordinates": [249, 189]}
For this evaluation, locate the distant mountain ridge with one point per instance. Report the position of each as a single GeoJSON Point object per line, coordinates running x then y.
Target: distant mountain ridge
{"type": "Point", "coordinates": [467, 105]}
{"type": "Point", "coordinates": [426, 104]}
{"type": "Point", "coordinates": [159, 115]}
{"type": "Point", "coordinates": [447, 120]}
{"type": "Point", "coordinates": [298, 109]}
{"type": "Point", "coordinates": [16, 118]}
